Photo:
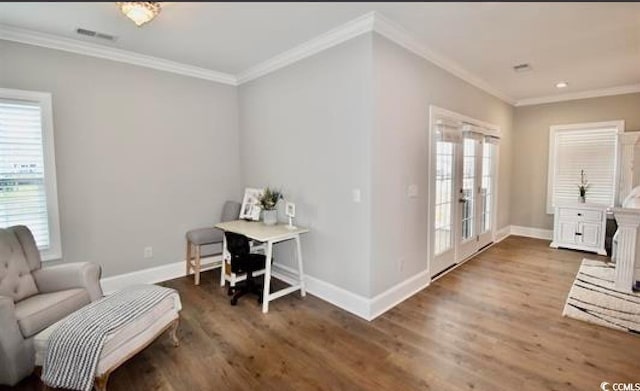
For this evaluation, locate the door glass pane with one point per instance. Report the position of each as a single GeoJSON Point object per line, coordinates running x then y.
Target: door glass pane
{"type": "Point", "coordinates": [487, 185]}
{"type": "Point", "coordinates": [468, 187]}
{"type": "Point", "coordinates": [443, 197]}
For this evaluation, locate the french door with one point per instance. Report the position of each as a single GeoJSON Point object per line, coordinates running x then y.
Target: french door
{"type": "Point", "coordinates": [462, 202]}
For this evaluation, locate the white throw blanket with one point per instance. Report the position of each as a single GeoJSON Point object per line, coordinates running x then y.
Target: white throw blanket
{"type": "Point", "coordinates": [75, 346]}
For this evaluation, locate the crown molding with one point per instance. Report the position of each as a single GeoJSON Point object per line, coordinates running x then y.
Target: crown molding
{"type": "Point", "coordinates": [619, 90]}
{"type": "Point", "coordinates": [372, 21]}
{"type": "Point", "coordinates": [50, 41]}
{"type": "Point", "coordinates": [333, 37]}
{"type": "Point", "coordinates": [407, 40]}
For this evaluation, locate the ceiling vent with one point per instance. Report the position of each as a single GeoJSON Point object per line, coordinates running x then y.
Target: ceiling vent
{"type": "Point", "coordinates": [522, 68]}
{"type": "Point", "coordinates": [95, 34]}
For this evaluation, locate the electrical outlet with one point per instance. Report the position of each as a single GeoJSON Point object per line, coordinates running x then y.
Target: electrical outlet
{"type": "Point", "coordinates": [357, 197]}
{"type": "Point", "coordinates": [412, 191]}
{"type": "Point", "coordinates": [148, 252]}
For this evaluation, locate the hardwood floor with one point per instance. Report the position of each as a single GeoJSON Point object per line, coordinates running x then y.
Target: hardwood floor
{"type": "Point", "coordinates": [492, 324]}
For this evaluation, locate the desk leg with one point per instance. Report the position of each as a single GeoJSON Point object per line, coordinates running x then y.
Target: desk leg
{"type": "Point", "coordinates": [224, 255]}
{"type": "Point", "coordinates": [267, 278]}
{"type": "Point", "coordinates": [303, 291]}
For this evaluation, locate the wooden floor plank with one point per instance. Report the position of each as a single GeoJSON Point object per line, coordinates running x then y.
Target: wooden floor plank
{"type": "Point", "coordinates": [494, 323]}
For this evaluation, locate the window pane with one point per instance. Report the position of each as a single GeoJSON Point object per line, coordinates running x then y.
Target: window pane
{"type": "Point", "coordinates": [443, 197]}
{"type": "Point", "coordinates": [468, 187]}
{"type": "Point", "coordinates": [22, 180]}
{"type": "Point", "coordinates": [487, 185]}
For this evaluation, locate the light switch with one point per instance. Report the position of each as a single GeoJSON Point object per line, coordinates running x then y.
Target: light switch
{"type": "Point", "coordinates": [356, 195]}
{"type": "Point", "coordinates": [412, 191]}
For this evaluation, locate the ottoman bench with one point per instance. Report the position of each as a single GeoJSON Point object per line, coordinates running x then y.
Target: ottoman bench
{"type": "Point", "coordinates": [126, 341]}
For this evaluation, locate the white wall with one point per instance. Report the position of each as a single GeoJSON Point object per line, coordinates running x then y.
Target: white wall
{"type": "Point", "coordinates": [141, 155]}
{"type": "Point", "coordinates": [307, 128]}
{"type": "Point", "coordinates": [404, 87]}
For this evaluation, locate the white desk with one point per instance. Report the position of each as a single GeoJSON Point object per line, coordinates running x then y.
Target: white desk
{"type": "Point", "coordinates": [269, 234]}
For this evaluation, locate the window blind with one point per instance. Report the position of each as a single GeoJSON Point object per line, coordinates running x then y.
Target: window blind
{"type": "Point", "coordinates": [23, 198]}
{"type": "Point", "coordinates": [595, 152]}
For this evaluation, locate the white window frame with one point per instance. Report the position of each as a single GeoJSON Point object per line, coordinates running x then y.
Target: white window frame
{"type": "Point", "coordinates": [43, 99]}
{"type": "Point", "coordinates": [553, 129]}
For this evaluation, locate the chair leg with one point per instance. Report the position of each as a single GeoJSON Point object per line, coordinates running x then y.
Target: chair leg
{"type": "Point", "coordinates": [242, 289]}
{"type": "Point", "coordinates": [188, 257]}
{"type": "Point", "coordinates": [173, 333]}
{"type": "Point", "coordinates": [248, 286]}
{"type": "Point", "coordinates": [100, 383]}
{"type": "Point", "coordinates": [197, 265]}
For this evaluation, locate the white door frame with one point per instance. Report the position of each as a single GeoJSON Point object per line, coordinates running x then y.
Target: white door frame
{"type": "Point", "coordinates": [437, 113]}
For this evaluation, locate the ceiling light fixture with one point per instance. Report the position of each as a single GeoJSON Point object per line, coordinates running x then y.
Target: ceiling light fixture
{"type": "Point", "coordinates": [562, 84]}
{"type": "Point", "coordinates": [140, 12]}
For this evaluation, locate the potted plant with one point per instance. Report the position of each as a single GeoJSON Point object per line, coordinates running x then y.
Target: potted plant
{"type": "Point", "coordinates": [268, 202]}
{"type": "Point", "coordinates": [582, 187]}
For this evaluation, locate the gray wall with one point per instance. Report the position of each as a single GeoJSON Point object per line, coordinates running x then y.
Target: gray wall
{"type": "Point", "coordinates": [141, 155]}
{"type": "Point", "coordinates": [531, 148]}
{"type": "Point", "coordinates": [144, 155]}
{"type": "Point", "coordinates": [404, 87]}
{"type": "Point", "coordinates": [306, 128]}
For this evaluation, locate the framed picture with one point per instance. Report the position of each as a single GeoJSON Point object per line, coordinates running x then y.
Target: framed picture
{"type": "Point", "coordinates": [250, 209]}
{"type": "Point", "coordinates": [290, 209]}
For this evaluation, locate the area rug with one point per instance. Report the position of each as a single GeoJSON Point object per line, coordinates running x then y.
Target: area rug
{"type": "Point", "coordinates": [594, 299]}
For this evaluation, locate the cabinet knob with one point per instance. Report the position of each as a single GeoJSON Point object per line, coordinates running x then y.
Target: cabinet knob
{"type": "Point", "coordinates": [579, 214]}
{"type": "Point", "coordinates": [578, 234]}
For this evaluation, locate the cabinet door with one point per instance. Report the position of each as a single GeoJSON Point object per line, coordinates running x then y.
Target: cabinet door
{"type": "Point", "coordinates": [591, 234]}
{"type": "Point", "coordinates": [568, 231]}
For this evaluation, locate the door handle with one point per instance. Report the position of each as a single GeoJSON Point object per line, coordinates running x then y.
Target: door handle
{"type": "Point", "coordinates": [462, 200]}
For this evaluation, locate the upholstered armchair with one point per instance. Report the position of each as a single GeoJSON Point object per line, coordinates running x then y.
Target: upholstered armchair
{"type": "Point", "coordinates": [33, 298]}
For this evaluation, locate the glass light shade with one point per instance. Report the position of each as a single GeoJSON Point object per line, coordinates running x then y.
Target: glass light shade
{"type": "Point", "coordinates": [140, 12]}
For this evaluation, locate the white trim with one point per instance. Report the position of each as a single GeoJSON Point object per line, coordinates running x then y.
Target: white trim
{"type": "Point", "coordinates": [342, 298]}
{"type": "Point", "coordinates": [358, 305]}
{"type": "Point", "coordinates": [154, 274]}
{"type": "Point", "coordinates": [372, 21]}
{"type": "Point", "coordinates": [397, 294]}
{"type": "Point", "coordinates": [315, 45]}
{"type": "Point", "coordinates": [361, 306]}
{"type": "Point", "coordinates": [502, 234]}
{"type": "Point", "coordinates": [54, 252]}
{"type": "Point", "coordinates": [529, 232]}
{"type": "Point", "coordinates": [457, 119]}
{"type": "Point", "coordinates": [110, 53]}
{"type": "Point", "coordinates": [619, 90]}
{"type": "Point", "coordinates": [404, 38]}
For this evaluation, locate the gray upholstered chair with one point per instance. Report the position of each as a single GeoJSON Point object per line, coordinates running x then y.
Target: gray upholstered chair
{"type": "Point", "coordinates": [32, 298]}
{"type": "Point", "coordinates": [196, 238]}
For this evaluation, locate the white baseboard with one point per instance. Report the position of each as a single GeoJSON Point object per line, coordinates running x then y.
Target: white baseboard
{"type": "Point", "coordinates": [366, 308]}
{"type": "Point", "coordinates": [398, 293]}
{"type": "Point", "coordinates": [361, 306]}
{"type": "Point", "coordinates": [340, 297]}
{"type": "Point", "coordinates": [537, 233]}
{"type": "Point", "coordinates": [502, 233]}
{"type": "Point", "coordinates": [154, 275]}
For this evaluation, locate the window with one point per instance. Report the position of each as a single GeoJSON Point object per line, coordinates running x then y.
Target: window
{"type": "Point", "coordinates": [487, 183]}
{"type": "Point", "coordinates": [443, 201]}
{"type": "Point", "coordinates": [28, 194]}
{"type": "Point", "coordinates": [592, 148]}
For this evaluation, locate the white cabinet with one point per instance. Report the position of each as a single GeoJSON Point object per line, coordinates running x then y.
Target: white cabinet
{"type": "Point", "coordinates": [580, 227]}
